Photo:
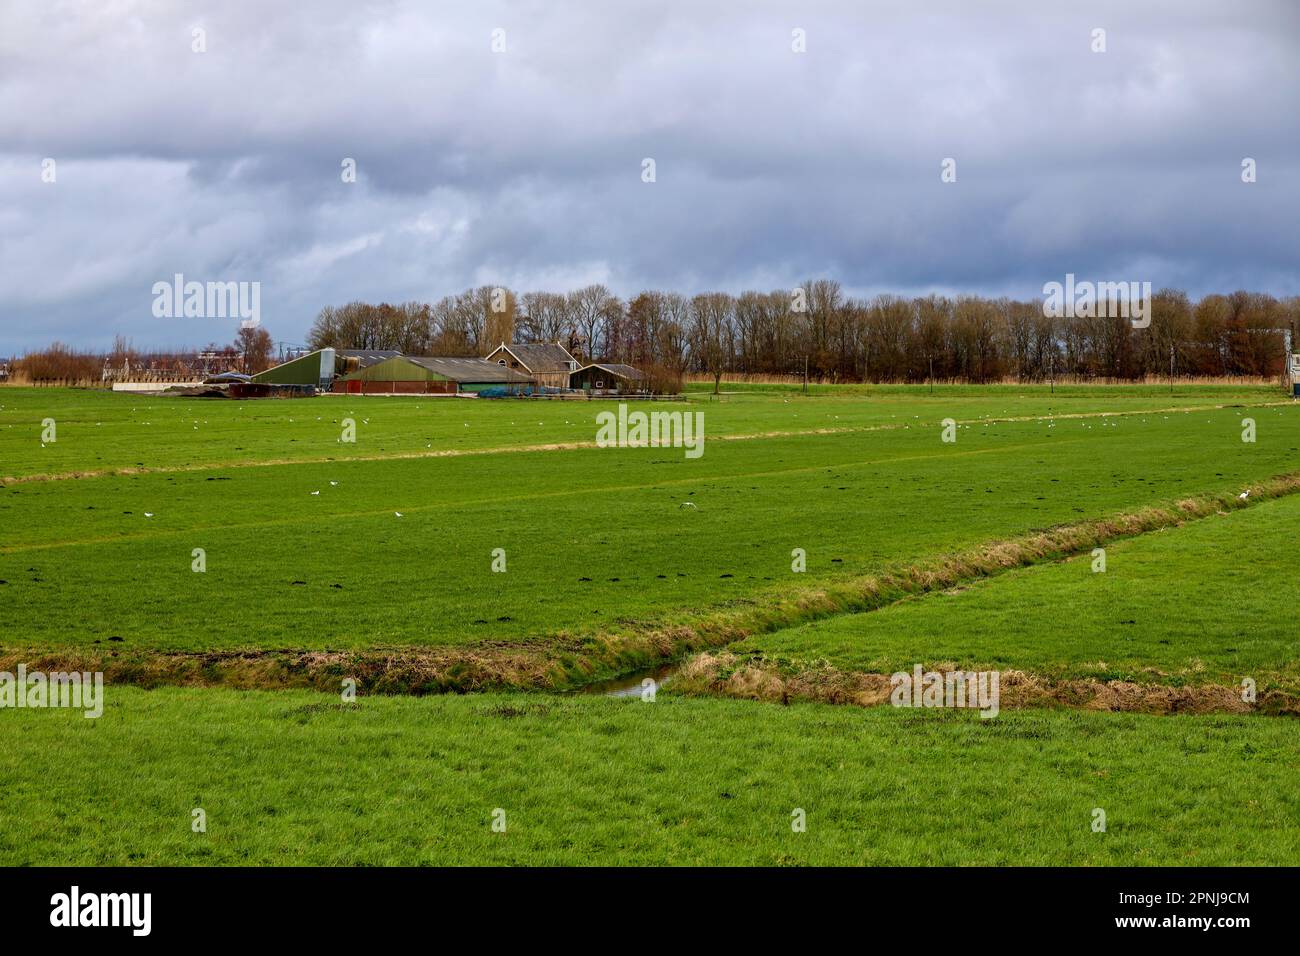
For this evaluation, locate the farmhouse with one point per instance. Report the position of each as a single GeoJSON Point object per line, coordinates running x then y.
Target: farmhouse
{"type": "Point", "coordinates": [422, 375]}
{"type": "Point", "coordinates": [549, 364]}
{"type": "Point", "coordinates": [618, 379]}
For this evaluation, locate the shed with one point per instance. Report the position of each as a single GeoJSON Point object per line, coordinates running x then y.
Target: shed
{"type": "Point", "coordinates": [600, 377]}
{"type": "Point", "coordinates": [314, 368]}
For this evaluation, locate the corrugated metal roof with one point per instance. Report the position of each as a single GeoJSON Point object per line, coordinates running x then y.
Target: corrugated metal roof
{"type": "Point", "coordinates": [368, 357]}
{"type": "Point", "coordinates": [469, 369]}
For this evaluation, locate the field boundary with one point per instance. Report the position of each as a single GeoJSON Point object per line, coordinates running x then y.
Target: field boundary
{"type": "Point", "coordinates": [725, 674]}
{"type": "Point", "coordinates": [132, 470]}
{"type": "Point", "coordinates": [564, 661]}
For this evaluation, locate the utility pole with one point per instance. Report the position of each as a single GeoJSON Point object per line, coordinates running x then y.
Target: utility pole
{"type": "Point", "coordinates": [1171, 368]}
{"type": "Point", "coordinates": [805, 374]}
{"type": "Point", "coordinates": [931, 374]}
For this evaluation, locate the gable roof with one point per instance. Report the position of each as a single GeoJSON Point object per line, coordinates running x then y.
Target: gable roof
{"type": "Point", "coordinates": [620, 371]}
{"type": "Point", "coordinates": [539, 356]}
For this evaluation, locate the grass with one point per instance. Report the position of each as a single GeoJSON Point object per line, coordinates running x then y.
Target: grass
{"type": "Point", "coordinates": [595, 538]}
{"type": "Point", "coordinates": [295, 777]}
{"type": "Point", "coordinates": [1210, 602]}
{"type": "Point", "coordinates": [610, 545]}
{"type": "Point", "coordinates": [99, 431]}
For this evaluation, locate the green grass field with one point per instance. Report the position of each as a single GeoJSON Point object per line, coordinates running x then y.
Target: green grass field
{"type": "Point", "coordinates": [1209, 602]}
{"type": "Point", "coordinates": [99, 431]}
{"type": "Point", "coordinates": [593, 537]}
{"type": "Point", "coordinates": [293, 777]}
{"type": "Point", "coordinates": [374, 560]}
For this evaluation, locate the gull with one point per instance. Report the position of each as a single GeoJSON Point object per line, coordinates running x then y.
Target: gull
{"type": "Point", "coordinates": [315, 492]}
{"type": "Point", "coordinates": [398, 513]}
{"type": "Point", "coordinates": [333, 483]}
{"type": "Point", "coordinates": [148, 514]}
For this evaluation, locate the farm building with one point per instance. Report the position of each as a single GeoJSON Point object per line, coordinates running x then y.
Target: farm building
{"type": "Point", "coordinates": [314, 368]}
{"type": "Point", "coordinates": [608, 378]}
{"type": "Point", "coordinates": [421, 375]}
{"type": "Point", "coordinates": [350, 360]}
{"type": "Point", "coordinates": [321, 367]}
{"type": "Point", "coordinates": [547, 363]}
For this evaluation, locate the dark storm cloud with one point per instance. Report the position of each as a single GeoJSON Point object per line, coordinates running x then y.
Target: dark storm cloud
{"type": "Point", "coordinates": [524, 167]}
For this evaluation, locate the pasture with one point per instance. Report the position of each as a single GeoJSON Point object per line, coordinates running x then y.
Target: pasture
{"type": "Point", "coordinates": [475, 545]}
{"type": "Point", "coordinates": [293, 777]}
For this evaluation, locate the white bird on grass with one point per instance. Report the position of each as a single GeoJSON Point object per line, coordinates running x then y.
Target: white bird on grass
{"type": "Point", "coordinates": [315, 492]}
{"type": "Point", "coordinates": [398, 513]}
{"type": "Point", "coordinates": [1244, 494]}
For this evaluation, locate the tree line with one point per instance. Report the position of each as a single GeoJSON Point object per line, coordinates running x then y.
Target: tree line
{"type": "Point", "coordinates": [835, 337]}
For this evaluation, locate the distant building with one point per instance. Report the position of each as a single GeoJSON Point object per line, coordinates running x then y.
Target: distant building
{"type": "Point", "coordinates": [546, 363]}
{"type": "Point", "coordinates": [428, 375]}
{"type": "Point", "coordinates": [608, 378]}
{"type": "Point", "coordinates": [315, 368]}
{"type": "Point", "coordinates": [389, 372]}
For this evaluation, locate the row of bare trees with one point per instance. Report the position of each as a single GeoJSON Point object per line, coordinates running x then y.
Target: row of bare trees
{"type": "Point", "coordinates": [836, 337]}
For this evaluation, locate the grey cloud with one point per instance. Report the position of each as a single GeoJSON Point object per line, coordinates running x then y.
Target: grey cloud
{"type": "Point", "coordinates": [524, 167]}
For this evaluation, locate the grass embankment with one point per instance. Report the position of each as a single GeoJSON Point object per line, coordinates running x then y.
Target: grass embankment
{"type": "Point", "coordinates": [816, 660]}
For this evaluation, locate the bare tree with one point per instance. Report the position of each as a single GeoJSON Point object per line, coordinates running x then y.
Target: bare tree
{"type": "Point", "coordinates": [254, 345]}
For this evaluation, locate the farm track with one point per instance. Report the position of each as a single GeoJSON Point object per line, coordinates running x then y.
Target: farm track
{"type": "Point", "coordinates": [564, 661]}
{"type": "Point", "coordinates": [579, 446]}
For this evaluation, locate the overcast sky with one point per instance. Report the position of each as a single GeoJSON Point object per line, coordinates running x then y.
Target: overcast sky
{"type": "Point", "coordinates": [524, 167]}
